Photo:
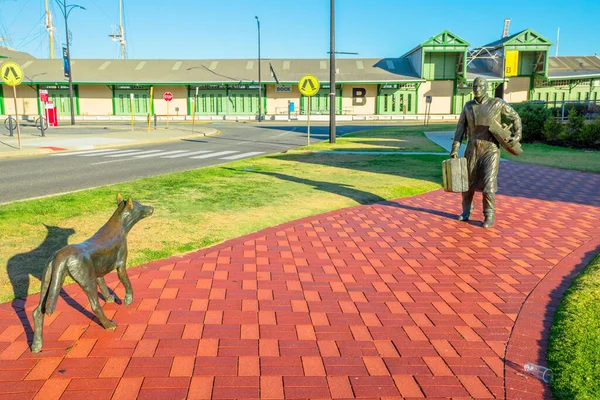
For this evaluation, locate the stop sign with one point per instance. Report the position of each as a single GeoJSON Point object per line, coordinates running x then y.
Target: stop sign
{"type": "Point", "coordinates": [168, 96]}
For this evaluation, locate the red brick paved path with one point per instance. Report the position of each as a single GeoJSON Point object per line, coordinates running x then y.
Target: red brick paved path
{"type": "Point", "coordinates": [394, 300]}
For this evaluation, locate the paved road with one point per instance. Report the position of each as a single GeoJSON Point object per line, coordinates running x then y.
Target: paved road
{"type": "Point", "coordinates": [65, 172]}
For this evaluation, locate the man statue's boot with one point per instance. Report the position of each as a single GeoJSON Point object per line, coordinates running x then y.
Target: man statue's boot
{"type": "Point", "coordinates": [467, 205]}
{"type": "Point", "coordinates": [489, 209]}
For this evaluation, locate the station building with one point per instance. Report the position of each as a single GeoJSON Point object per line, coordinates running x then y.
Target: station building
{"type": "Point", "coordinates": [434, 78]}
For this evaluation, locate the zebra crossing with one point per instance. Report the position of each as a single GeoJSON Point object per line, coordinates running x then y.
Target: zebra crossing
{"type": "Point", "coordinates": [133, 154]}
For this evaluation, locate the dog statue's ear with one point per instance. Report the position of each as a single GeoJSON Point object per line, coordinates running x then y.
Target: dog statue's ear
{"type": "Point", "coordinates": [119, 198]}
{"type": "Point", "coordinates": [129, 203]}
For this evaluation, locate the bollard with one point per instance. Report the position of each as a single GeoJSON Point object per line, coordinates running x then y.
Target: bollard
{"type": "Point", "coordinates": [42, 124]}
{"type": "Point", "coordinates": [10, 126]}
{"type": "Point", "coordinates": [154, 121]}
{"type": "Point", "coordinates": [289, 110]}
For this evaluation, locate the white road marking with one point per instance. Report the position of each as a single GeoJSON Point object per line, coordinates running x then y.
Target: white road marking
{"type": "Point", "coordinates": [193, 153]}
{"type": "Point", "coordinates": [164, 153]}
{"type": "Point", "coordinates": [286, 132]}
{"type": "Point", "coordinates": [82, 152]}
{"type": "Point", "coordinates": [113, 161]}
{"type": "Point", "coordinates": [243, 155]}
{"type": "Point", "coordinates": [106, 153]}
{"type": "Point", "coordinates": [133, 153]}
{"type": "Point", "coordinates": [222, 153]}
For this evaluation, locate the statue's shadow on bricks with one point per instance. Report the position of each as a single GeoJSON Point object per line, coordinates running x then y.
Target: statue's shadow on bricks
{"type": "Point", "coordinates": [426, 210]}
{"type": "Point", "coordinates": [22, 267]}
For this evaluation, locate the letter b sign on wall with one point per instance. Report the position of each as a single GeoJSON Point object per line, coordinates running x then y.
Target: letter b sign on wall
{"type": "Point", "coordinates": [359, 96]}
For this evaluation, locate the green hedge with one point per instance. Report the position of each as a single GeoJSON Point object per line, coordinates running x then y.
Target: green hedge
{"type": "Point", "coordinates": [540, 125]}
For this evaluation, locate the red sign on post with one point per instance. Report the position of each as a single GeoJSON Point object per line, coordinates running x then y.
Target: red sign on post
{"type": "Point", "coordinates": [168, 96]}
{"type": "Point", "coordinates": [43, 96]}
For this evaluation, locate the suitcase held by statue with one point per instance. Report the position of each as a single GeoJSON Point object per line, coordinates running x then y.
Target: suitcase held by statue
{"type": "Point", "coordinates": [455, 175]}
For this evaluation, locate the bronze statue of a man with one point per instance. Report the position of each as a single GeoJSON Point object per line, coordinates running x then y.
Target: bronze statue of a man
{"type": "Point", "coordinates": [483, 149]}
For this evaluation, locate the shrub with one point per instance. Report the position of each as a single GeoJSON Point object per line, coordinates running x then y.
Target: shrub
{"type": "Point", "coordinates": [533, 116]}
{"type": "Point", "coordinates": [553, 130]}
{"type": "Point", "coordinates": [575, 122]}
{"type": "Point", "coordinates": [590, 134]}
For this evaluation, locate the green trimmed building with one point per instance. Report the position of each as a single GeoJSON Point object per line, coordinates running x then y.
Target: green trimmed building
{"type": "Point", "coordinates": [433, 78]}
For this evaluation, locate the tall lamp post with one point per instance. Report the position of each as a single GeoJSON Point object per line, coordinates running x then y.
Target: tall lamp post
{"type": "Point", "coordinates": [66, 10]}
{"type": "Point", "coordinates": [259, 79]}
{"type": "Point", "coordinates": [332, 75]}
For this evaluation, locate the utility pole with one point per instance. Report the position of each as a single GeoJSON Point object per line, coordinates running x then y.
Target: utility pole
{"type": "Point", "coordinates": [557, 38]}
{"type": "Point", "coordinates": [50, 30]}
{"type": "Point", "coordinates": [259, 78]}
{"type": "Point", "coordinates": [121, 35]}
{"type": "Point", "coordinates": [121, 29]}
{"type": "Point", "coordinates": [332, 75]}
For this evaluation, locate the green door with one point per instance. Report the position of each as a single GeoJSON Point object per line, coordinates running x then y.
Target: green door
{"type": "Point", "coordinates": [397, 101]}
{"type": "Point", "coordinates": [140, 103]}
{"type": "Point", "coordinates": [440, 66]}
{"type": "Point", "coordinates": [210, 102]}
{"type": "Point", "coordinates": [60, 98]}
{"type": "Point", "coordinates": [319, 103]}
{"type": "Point", "coordinates": [243, 102]}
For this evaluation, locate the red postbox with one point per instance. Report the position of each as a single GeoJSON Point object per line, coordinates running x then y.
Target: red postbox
{"type": "Point", "coordinates": [51, 115]}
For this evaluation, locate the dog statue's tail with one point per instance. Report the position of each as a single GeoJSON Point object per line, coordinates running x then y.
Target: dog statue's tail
{"type": "Point", "coordinates": [46, 278]}
{"type": "Point", "coordinates": [54, 276]}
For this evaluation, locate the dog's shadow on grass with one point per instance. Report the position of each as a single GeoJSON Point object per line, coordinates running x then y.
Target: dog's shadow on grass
{"type": "Point", "coordinates": [21, 268]}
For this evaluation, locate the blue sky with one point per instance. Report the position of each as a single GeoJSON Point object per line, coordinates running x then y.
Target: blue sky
{"type": "Point", "coordinates": [200, 29]}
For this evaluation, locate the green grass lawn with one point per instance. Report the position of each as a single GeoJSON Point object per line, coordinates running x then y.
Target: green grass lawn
{"type": "Point", "coordinates": [574, 349]}
{"type": "Point", "coordinates": [558, 157]}
{"type": "Point", "coordinates": [198, 208]}
{"type": "Point", "coordinates": [398, 138]}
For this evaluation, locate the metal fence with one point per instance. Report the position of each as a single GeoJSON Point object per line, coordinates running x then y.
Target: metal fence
{"type": "Point", "coordinates": [560, 109]}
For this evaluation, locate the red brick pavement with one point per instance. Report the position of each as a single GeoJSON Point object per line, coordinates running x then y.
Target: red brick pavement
{"type": "Point", "coordinates": [395, 299]}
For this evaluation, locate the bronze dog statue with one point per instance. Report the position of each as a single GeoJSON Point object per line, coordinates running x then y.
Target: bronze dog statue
{"type": "Point", "coordinates": [87, 263]}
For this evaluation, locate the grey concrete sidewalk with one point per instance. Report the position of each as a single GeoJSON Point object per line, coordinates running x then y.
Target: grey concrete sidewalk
{"type": "Point", "coordinates": [92, 136]}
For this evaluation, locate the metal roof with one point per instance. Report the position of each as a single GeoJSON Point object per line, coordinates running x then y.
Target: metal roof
{"type": "Point", "coordinates": [564, 67]}
{"type": "Point", "coordinates": [7, 52]}
{"type": "Point", "coordinates": [478, 69]}
{"type": "Point", "coordinates": [95, 71]}
{"type": "Point", "coordinates": [500, 42]}
{"type": "Point", "coordinates": [190, 72]}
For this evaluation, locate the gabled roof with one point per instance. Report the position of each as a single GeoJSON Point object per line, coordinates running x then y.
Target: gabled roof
{"type": "Point", "coordinates": [234, 71]}
{"type": "Point", "coordinates": [445, 39]}
{"type": "Point", "coordinates": [526, 37]}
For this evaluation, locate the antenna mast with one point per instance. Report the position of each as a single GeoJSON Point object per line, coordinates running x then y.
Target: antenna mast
{"type": "Point", "coordinates": [50, 30]}
{"type": "Point", "coordinates": [506, 26]}
{"type": "Point", "coordinates": [121, 35]}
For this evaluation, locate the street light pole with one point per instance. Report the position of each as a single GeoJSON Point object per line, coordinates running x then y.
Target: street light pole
{"type": "Point", "coordinates": [259, 78]}
{"type": "Point", "coordinates": [66, 15]}
{"type": "Point", "coordinates": [332, 75]}
{"type": "Point", "coordinates": [69, 66]}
